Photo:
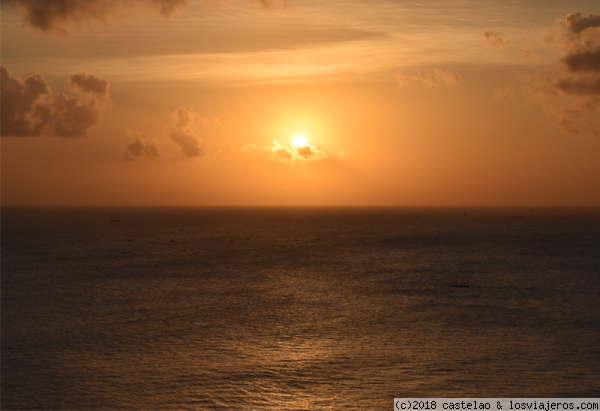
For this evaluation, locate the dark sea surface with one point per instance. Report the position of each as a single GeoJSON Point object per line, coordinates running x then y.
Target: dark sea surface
{"type": "Point", "coordinates": [296, 308]}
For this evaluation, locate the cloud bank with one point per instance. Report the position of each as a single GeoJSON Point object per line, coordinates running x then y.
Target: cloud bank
{"type": "Point", "coordinates": [30, 110]}
{"type": "Point", "coordinates": [142, 146]}
{"type": "Point", "coordinates": [299, 153]}
{"type": "Point", "coordinates": [183, 135]}
{"type": "Point", "coordinates": [58, 15]}
{"type": "Point", "coordinates": [432, 79]}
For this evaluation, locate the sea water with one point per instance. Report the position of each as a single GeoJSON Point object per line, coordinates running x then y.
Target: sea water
{"type": "Point", "coordinates": [296, 308]}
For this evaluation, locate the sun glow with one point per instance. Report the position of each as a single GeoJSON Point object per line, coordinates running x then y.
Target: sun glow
{"type": "Point", "coordinates": [299, 141]}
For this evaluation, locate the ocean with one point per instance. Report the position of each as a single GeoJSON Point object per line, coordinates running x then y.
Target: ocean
{"type": "Point", "coordinates": [283, 308]}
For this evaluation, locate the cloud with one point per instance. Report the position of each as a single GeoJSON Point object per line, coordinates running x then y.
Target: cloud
{"type": "Point", "coordinates": [583, 61]}
{"type": "Point", "coordinates": [280, 153]}
{"type": "Point", "coordinates": [183, 135]}
{"type": "Point", "coordinates": [30, 110]}
{"type": "Point", "coordinates": [247, 147]}
{"type": "Point", "coordinates": [494, 38]}
{"type": "Point", "coordinates": [578, 40]}
{"type": "Point", "coordinates": [86, 83]}
{"type": "Point", "coordinates": [570, 92]}
{"type": "Point", "coordinates": [576, 24]}
{"type": "Point", "coordinates": [142, 146]}
{"type": "Point", "coordinates": [57, 15]}
{"type": "Point", "coordinates": [433, 79]}
{"type": "Point", "coordinates": [577, 86]}
{"type": "Point", "coordinates": [298, 153]}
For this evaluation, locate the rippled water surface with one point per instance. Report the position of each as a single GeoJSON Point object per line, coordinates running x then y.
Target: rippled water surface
{"type": "Point", "coordinates": [296, 308]}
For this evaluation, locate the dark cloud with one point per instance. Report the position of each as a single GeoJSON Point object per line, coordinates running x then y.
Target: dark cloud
{"type": "Point", "coordinates": [575, 24]}
{"type": "Point", "coordinates": [87, 83]}
{"type": "Point", "coordinates": [57, 15]}
{"type": "Point", "coordinates": [578, 39]}
{"type": "Point", "coordinates": [576, 86]}
{"type": "Point", "coordinates": [142, 146]}
{"type": "Point", "coordinates": [29, 109]}
{"type": "Point", "coordinates": [23, 111]}
{"type": "Point", "coordinates": [72, 119]}
{"type": "Point", "coordinates": [183, 135]}
{"type": "Point", "coordinates": [494, 38]}
{"type": "Point", "coordinates": [584, 61]}
{"type": "Point", "coordinates": [570, 92]}
{"type": "Point", "coordinates": [572, 31]}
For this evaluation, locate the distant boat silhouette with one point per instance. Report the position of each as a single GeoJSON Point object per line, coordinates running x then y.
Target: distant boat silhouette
{"type": "Point", "coordinates": [457, 284]}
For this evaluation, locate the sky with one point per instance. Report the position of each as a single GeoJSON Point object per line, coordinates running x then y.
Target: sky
{"type": "Point", "coordinates": [300, 102]}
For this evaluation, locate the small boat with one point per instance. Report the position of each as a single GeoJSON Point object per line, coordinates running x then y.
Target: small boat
{"type": "Point", "coordinates": [457, 284]}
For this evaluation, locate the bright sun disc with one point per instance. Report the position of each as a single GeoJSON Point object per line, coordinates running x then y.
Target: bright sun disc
{"type": "Point", "coordinates": [299, 141]}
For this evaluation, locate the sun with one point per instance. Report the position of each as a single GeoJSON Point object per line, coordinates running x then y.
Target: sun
{"type": "Point", "coordinates": [299, 141]}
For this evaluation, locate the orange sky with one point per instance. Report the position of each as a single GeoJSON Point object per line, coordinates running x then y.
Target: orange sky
{"type": "Point", "coordinates": [174, 102]}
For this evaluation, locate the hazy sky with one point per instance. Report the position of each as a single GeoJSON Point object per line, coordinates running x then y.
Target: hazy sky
{"type": "Point", "coordinates": [198, 102]}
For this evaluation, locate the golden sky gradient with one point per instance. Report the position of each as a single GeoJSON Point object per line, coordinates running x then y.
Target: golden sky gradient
{"type": "Point", "coordinates": [175, 102]}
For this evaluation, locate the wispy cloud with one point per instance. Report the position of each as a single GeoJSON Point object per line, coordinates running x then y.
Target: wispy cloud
{"type": "Point", "coordinates": [246, 146]}
{"type": "Point", "coordinates": [433, 79]}
{"type": "Point", "coordinates": [235, 42]}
